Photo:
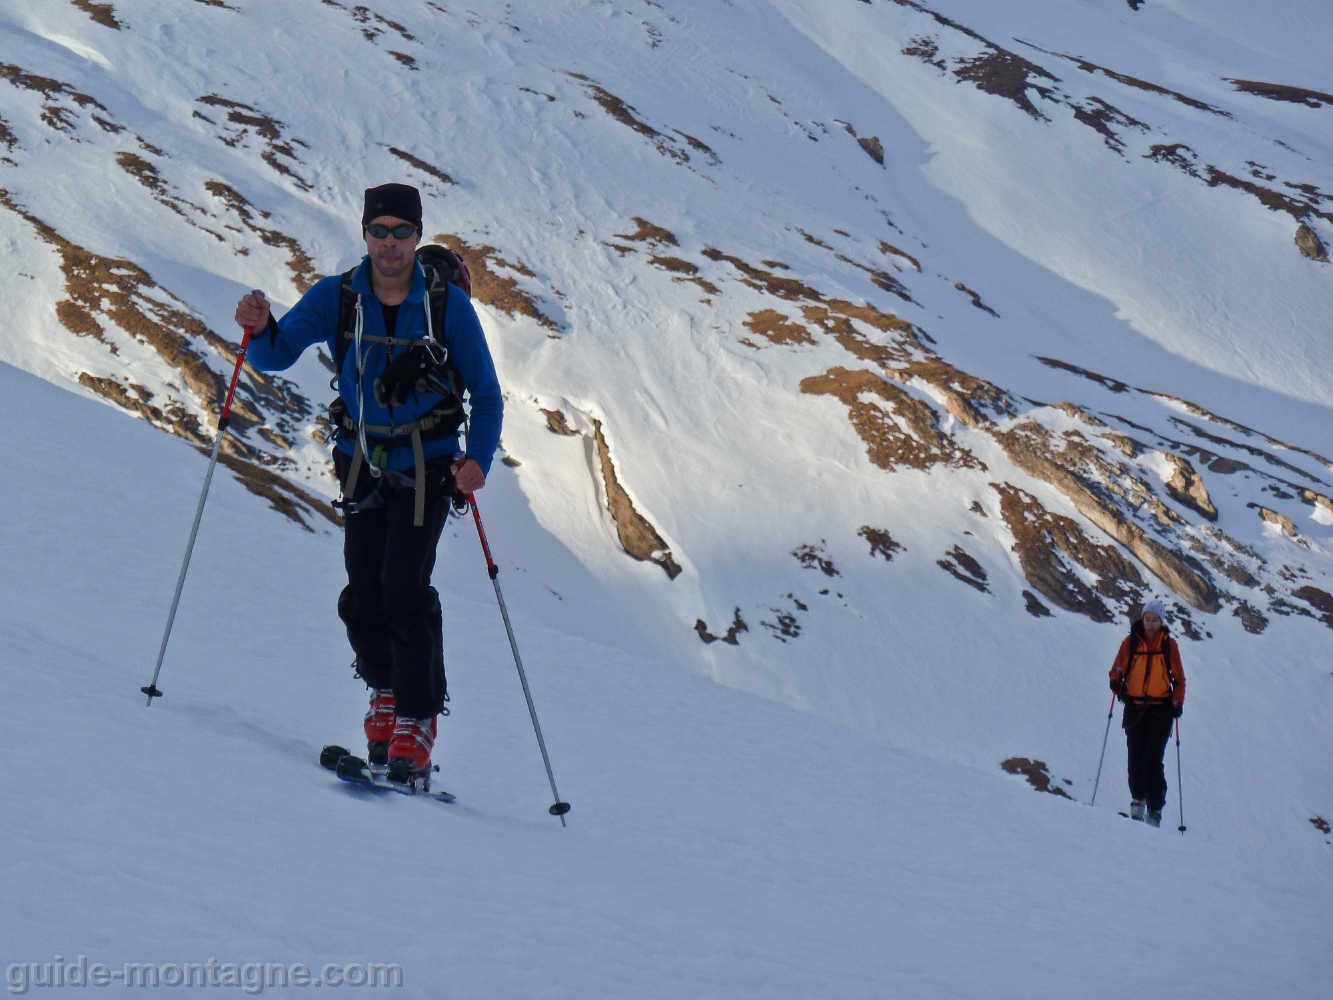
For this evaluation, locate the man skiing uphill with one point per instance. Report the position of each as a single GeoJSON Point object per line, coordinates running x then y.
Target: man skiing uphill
{"type": "Point", "coordinates": [1148, 678]}
{"type": "Point", "coordinates": [406, 344]}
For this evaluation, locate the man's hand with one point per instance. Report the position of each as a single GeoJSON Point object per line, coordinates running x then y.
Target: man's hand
{"type": "Point", "coordinates": [468, 475]}
{"type": "Point", "coordinates": [252, 311]}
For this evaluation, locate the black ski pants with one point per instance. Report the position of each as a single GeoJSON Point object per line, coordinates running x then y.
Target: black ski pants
{"type": "Point", "coordinates": [391, 611]}
{"type": "Point", "coordinates": [1147, 729]}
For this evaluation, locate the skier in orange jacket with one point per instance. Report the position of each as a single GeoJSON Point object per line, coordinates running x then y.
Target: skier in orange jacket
{"type": "Point", "coordinates": [1148, 677]}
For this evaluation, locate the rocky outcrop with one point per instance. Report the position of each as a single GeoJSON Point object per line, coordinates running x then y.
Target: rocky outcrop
{"type": "Point", "coordinates": [873, 147]}
{"type": "Point", "coordinates": [1309, 244]}
{"type": "Point", "coordinates": [1049, 546]}
{"type": "Point", "coordinates": [1027, 446]}
{"type": "Point", "coordinates": [731, 638]}
{"type": "Point", "coordinates": [917, 443]}
{"type": "Point", "coordinates": [1273, 517]}
{"type": "Point", "coordinates": [1036, 773]}
{"type": "Point", "coordinates": [1187, 488]}
{"type": "Point", "coordinates": [637, 536]}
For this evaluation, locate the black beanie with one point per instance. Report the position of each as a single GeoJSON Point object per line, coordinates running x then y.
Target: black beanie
{"type": "Point", "coordinates": [402, 201]}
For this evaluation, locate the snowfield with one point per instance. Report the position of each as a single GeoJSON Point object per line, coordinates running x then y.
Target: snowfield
{"type": "Point", "coordinates": [922, 340]}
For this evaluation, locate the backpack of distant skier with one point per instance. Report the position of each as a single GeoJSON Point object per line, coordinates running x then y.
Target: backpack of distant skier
{"type": "Point", "coordinates": [1163, 650]}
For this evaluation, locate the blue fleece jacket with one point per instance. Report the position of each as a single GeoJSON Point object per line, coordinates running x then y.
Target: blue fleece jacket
{"type": "Point", "coordinates": [315, 319]}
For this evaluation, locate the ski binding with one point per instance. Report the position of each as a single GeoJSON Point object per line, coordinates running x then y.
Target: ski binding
{"type": "Point", "coordinates": [354, 770]}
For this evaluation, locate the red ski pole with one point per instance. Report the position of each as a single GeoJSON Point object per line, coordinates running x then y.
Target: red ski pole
{"type": "Point", "coordinates": [559, 808]}
{"type": "Point", "coordinates": [152, 690]}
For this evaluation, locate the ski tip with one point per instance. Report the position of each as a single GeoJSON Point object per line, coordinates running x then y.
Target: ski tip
{"type": "Point", "coordinates": [331, 754]}
{"type": "Point", "coordinates": [559, 809]}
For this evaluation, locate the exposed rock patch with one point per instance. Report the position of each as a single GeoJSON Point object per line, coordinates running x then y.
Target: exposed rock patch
{"type": "Point", "coordinates": [1282, 92]}
{"type": "Point", "coordinates": [123, 295]}
{"type": "Point", "coordinates": [637, 536]}
{"type": "Point", "coordinates": [913, 439]}
{"type": "Point", "coordinates": [1048, 543]}
{"type": "Point", "coordinates": [421, 164]}
{"type": "Point", "coordinates": [1115, 385]}
{"type": "Point", "coordinates": [1253, 620]}
{"type": "Point", "coordinates": [243, 118]}
{"type": "Point", "coordinates": [1036, 773]}
{"type": "Point", "coordinates": [1309, 244]}
{"type": "Point", "coordinates": [298, 261]}
{"type": "Point", "coordinates": [1306, 202]}
{"type": "Point", "coordinates": [892, 251]}
{"type": "Point", "coordinates": [55, 113]}
{"type": "Point", "coordinates": [976, 299]}
{"type": "Point", "coordinates": [1273, 517]}
{"type": "Point", "coordinates": [1187, 488]}
{"type": "Point", "coordinates": [813, 557]}
{"type": "Point", "coordinates": [777, 328]}
{"type": "Point", "coordinates": [881, 542]}
{"type": "Point", "coordinates": [1034, 607]}
{"type": "Point", "coordinates": [874, 149]}
{"type": "Point", "coordinates": [1318, 599]}
{"type": "Point", "coordinates": [103, 13]}
{"type": "Point", "coordinates": [732, 636]}
{"type": "Point", "coordinates": [649, 233]}
{"type": "Point", "coordinates": [962, 566]}
{"type": "Point", "coordinates": [557, 424]}
{"type": "Point", "coordinates": [1028, 446]}
{"type": "Point", "coordinates": [628, 116]}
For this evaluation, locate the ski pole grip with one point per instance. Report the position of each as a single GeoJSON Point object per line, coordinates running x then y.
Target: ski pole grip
{"type": "Point", "coordinates": [236, 372]}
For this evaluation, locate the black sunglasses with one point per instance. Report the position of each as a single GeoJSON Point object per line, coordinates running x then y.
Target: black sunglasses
{"type": "Point", "coordinates": [381, 232]}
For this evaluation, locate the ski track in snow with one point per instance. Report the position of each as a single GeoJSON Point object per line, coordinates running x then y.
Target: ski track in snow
{"type": "Point", "coordinates": [822, 816]}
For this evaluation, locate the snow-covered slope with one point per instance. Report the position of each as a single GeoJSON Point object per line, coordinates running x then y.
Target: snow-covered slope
{"type": "Point", "coordinates": [906, 346]}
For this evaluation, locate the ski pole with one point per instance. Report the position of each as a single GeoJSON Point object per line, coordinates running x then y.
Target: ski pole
{"type": "Point", "coordinates": [1105, 736]}
{"type": "Point", "coordinates": [152, 690]}
{"type": "Point", "coordinates": [560, 808]}
{"type": "Point", "coordinates": [1179, 791]}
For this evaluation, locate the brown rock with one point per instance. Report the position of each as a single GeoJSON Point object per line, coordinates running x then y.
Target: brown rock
{"type": "Point", "coordinates": [1308, 243]}
{"type": "Point", "coordinates": [873, 147]}
{"type": "Point", "coordinates": [1027, 448]}
{"type": "Point", "coordinates": [1044, 541]}
{"type": "Point", "coordinates": [1273, 517]}
{"type": "Point", "coordinates": [1186, 487]}
{"type": "Point", "coordinates": [637, 536]}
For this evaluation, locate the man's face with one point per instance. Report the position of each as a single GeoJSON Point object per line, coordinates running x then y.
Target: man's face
{"type": "Point", "coordinates": [1151, 623]}
{"type": "Point", "coordinates": [391, 257]}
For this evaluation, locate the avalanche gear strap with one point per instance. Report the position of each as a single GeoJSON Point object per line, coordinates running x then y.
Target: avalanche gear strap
{"type": "Point", "coordinates": [445, 419]}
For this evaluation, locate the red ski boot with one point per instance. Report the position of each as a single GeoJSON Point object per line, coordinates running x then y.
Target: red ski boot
{"type": "Point", "coordinates": [379, 726]}
{"type": "Point", "coordinates": [409, 750]}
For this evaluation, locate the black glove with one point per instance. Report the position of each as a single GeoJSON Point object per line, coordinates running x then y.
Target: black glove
{"type": "Point", "coordinates": [1177, 710]}
{"type": "Point", "coordinates": [414, 370]}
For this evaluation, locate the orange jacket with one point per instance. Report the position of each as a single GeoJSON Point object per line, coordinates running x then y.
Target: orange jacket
{"type": "Point", "coordinates": [1147, 678]}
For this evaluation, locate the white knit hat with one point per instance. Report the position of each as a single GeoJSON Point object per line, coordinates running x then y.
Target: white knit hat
{"type": "Point", "coordinates": [1155, 607]}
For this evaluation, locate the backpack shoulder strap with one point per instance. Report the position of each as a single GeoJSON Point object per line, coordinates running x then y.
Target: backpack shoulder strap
{"type": "Point", "coordinates": [346, 323]}
{"type": "Point", "coordinates": [437, 290]}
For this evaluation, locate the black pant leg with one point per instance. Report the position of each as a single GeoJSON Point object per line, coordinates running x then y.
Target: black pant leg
{"type": "Point", "coordinates": [1157, 730]}
{"type": "Point", "coordinates": [361, 603]}
{"type": "Point", "coordinates": [1132, 721]}
{"type": "Point", "coordinates": [410, 606]}
{"type": "Point", "coordinates": [1147, 728]}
